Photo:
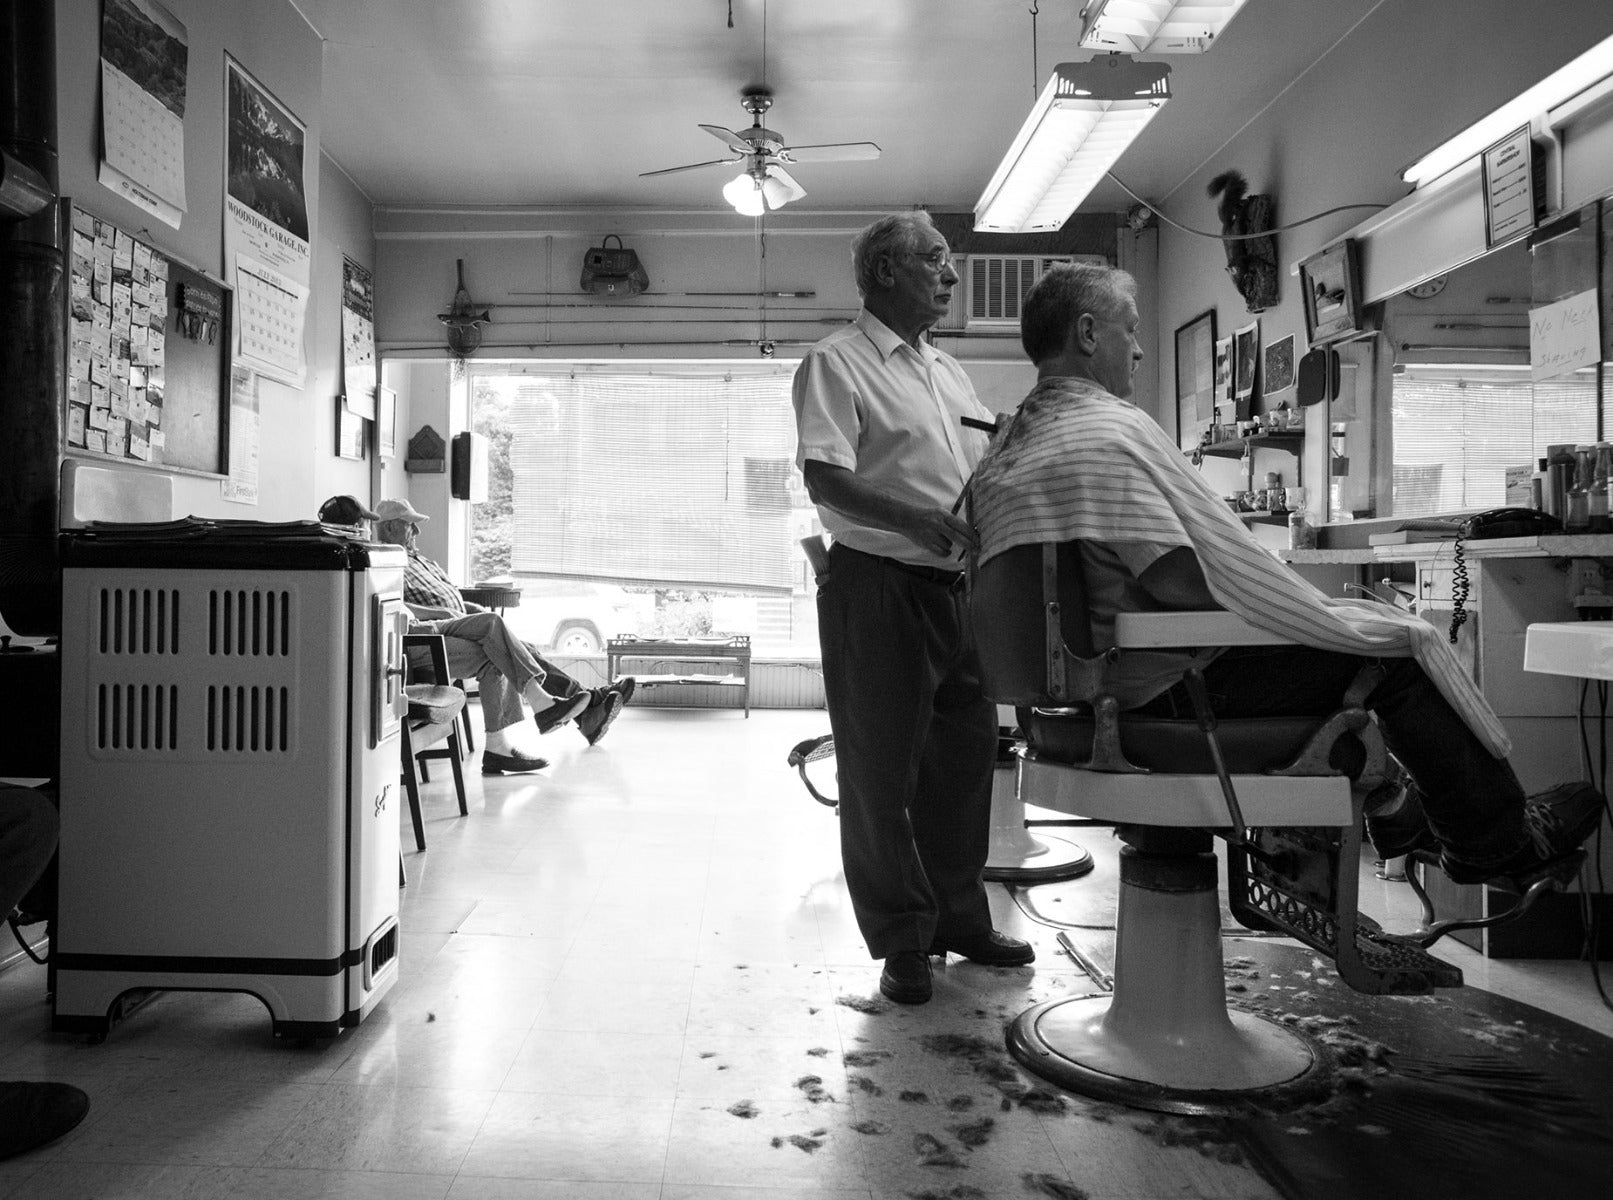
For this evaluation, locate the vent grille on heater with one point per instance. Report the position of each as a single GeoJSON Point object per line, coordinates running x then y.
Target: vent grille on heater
{"type": "Point", "coordinates": [248, 718]}
{"type": "Point", "coordinates": [139, 621]}
{"type": "Point", "coordinates": [249, 624]}
{"type": "Point", "coordinates": [137, 716]}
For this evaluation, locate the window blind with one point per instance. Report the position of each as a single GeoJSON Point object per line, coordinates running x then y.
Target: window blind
{"type": "Point", "coordinates": [675, 475]}
{"type": "Point", "coordinates": [1458, 428]}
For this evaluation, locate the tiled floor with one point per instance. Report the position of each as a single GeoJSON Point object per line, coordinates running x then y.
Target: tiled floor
{"type": "Point", "coordinates": [628, 978]}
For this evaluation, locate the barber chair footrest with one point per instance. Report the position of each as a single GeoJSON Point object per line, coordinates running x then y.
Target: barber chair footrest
{"type": "Point", "coordinates": [1303, 882]}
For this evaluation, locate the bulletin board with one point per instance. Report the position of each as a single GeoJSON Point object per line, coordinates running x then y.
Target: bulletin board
{"type": "Point", "coordinates": [148, 352]}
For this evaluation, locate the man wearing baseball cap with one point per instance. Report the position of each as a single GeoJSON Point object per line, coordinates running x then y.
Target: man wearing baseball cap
{"type": "Point", "coordinates": [346, 511]}
{"type": "Point", "coordinates": [507, 670]}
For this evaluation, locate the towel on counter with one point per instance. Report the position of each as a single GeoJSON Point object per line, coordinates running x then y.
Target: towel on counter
{"type": "Point", "coordinates": [1078, 462]}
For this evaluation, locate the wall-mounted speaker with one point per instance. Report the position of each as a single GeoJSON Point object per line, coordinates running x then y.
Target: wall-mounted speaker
{"type": "Point", "coordinates": [1318, 376]}
{"type": "Point", "coordinates": [467, 478]}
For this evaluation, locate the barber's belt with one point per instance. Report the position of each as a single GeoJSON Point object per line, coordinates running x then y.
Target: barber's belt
{"type": "Point", "coordinates": [936, 575]}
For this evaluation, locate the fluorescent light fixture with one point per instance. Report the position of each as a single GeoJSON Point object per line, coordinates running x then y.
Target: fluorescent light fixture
{"type": "Point", "coordinates": [1082, 122]}
{"type": "Point", "coordinates": [1562, 84]}
{"type": "Point", "coordinates": [1162, 26]}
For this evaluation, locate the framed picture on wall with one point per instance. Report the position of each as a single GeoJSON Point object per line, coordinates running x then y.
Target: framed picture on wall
{"type": "Point", "coordinates": [1195, 379]}
{"type": "Point", "coordinates": [1331, 282]}
{"type": "Point", "coordinates": [1246, 368]}
{"type": "Point", "coordinates": [349, 431]}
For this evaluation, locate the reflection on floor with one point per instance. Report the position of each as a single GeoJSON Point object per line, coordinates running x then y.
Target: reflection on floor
{"type": "Point", "coordinates": [635, 976]}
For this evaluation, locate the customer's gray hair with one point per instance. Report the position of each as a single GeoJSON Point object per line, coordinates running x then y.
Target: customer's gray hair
{"type": "Point", "coordinates": [895, 234]}
{"type": "Point", "coordinates": [395, 531]}
{"type": "Point", "coordinates": [1058, 299]}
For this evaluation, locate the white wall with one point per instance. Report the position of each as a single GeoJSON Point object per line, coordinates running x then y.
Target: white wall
{"type": "Point", "coordinates": [298, 466]}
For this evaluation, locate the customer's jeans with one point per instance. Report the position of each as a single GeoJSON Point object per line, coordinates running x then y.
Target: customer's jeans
{"type": "Point", "coordinates": [482, 645]}
{"type": "Point", "coordinates": [1473, 800]}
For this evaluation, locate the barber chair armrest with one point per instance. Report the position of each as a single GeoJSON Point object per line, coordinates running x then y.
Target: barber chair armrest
{"type": "Point", "coordinates": [1139, 631]}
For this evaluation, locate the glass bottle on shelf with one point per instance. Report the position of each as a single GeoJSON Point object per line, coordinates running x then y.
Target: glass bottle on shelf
{"type": "Point", "coordinates": [1600, 472]}
{"type": "Point", "coordinates": [1579, 492]}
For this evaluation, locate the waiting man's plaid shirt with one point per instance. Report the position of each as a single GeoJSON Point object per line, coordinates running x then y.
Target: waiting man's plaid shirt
{"type": "Point", "coordinates": [427, 584]}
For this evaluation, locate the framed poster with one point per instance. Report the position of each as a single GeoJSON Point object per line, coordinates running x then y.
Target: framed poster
{"type": "Point", "coordinates": [386, 423]}
{"type": "Point", "coordinates": [1195, 379]}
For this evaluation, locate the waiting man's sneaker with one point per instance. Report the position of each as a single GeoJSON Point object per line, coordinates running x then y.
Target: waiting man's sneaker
{"type": "Point", "coordinates": [906, 977]}
{"type": "Point", "coordinates": [991, 949]}
{"type": "Point", "coordinates": [1396, 823]}
{"type": "Point", "coordinates": [513, 763]}
{"type": "Point", "coordinates": [624, 685]}
{"type": "Point", "coordinates": [1558, 822]}
{"type": "Point", "coordinates": [561, 711]}
{"type": "Point", "coordinates": [33, 1114]}
{"type": "Point", "coordinates": [598, 717]}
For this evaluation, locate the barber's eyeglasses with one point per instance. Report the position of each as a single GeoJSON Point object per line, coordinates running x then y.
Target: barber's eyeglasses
{"type": "Point", "coordinates": [937, 260]}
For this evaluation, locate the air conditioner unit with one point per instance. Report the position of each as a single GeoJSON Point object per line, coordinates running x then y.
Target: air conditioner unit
{"type": "Point", "coordinates": [994, 288]}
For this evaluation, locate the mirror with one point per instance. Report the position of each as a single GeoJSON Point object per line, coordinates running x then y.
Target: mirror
{"type": "Point", "coordinates": [1464, 416]}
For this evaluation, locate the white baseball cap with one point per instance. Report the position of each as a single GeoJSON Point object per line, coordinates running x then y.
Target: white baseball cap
{"type": "Point", "coordinates": [398, 510]}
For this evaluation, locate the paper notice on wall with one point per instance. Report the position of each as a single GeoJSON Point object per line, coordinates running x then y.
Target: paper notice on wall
{"type": "Point", "coordinates": [144, 52]}
{"type": "Point", "coordinates": [266, 226]}
{"type": "Point", "coordinates": [242, 484]}
{"type": "Point", "coordinates": [1564, 336]}
{"type": "Point", "coordinates": [358, 339]}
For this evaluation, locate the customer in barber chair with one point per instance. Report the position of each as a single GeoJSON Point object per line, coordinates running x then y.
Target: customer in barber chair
{"type": "Point", "coordinates": [479, 643]}
{"type": "Point", "coordinates": [1079, 461]}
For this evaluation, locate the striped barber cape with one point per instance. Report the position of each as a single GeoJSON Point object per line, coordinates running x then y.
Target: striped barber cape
{"type": "Point", "coordinates": [1076, 462]}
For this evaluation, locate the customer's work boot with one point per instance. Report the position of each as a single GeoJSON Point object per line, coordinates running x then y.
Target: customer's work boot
{"type": "Point", "coordinates": [1557, 821]}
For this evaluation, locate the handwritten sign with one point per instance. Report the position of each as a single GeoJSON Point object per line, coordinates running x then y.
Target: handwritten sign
{"type": "Point", "coordinates": [1564, 336]}
{"type": "Point", "coordinates": [1509, 187]}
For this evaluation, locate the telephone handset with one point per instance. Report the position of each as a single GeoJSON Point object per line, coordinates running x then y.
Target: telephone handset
{"type": "Point", "coordinates": [1496, 523]}
{"type": "Point", "coordinates": [1508, 522]}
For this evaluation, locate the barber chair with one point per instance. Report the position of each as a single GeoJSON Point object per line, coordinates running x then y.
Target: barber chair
{"type": "Point", "coordinates": [1277, 791]}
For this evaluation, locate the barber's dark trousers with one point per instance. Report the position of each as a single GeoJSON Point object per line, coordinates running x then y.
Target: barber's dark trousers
{"type": "Point", "coordinates": [915, 748]}
{"type": "Point", "coordinates": [1473, 800]}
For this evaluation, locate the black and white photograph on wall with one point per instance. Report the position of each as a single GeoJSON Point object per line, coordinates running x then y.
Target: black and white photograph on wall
{"type": "Point", "coordinates": [144, 55]}
{"type": "Point", "coordinates": [1277, 372]}
{"type": "Point", "coordinates": [267, 251]}
{"type": "Point", "coordinates": [386, 423]}
{"type": "Point", "coordinates": [1223, 380]}
{"type": "Point", "coordinates": [1245, 368]}
{"type": "Point", "coordinates": [349, 432]}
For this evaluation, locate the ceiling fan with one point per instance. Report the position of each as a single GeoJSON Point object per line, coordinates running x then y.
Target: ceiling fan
{"type": "Point", "coordinates": [763, 184]}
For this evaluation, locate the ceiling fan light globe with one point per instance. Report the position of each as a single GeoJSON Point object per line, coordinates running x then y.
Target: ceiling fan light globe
{"type": "Point", "coordinates": [745, 195]}
{"type": "Point", "coordinates": [777, 193]}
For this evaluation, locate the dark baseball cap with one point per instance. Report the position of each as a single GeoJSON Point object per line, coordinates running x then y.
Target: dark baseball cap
{"type": "Point", "coordinates": [344, 510]}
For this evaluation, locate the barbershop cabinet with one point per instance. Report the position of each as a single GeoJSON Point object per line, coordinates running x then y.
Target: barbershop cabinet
{"type": "Point", "coordinates": [1506, 594]}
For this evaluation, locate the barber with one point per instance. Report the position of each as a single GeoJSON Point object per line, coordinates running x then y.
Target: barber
{"type": "Point", "coordinates": [885, 453]}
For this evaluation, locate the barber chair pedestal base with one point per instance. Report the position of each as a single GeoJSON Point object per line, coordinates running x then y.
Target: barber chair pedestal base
{"type": "Point", "coordinates": [1018, 856]}
{"type": "Point", "coordinates": [1166, 1040]}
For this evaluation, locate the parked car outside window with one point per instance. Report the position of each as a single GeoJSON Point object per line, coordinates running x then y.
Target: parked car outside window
{"type": "Point", "coordinates": [574, 617]}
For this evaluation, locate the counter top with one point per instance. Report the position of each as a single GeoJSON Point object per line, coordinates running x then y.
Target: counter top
{"type": "Point", "coordinates": [1580, 545]}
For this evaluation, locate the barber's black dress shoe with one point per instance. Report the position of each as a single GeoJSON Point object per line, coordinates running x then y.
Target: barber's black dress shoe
{"type": "Point", "coordinates": [513, 763]}
{"type": "Point", "coordinates": [991, 949]}
{"type": "Point", "coordinates": [33, 1113]}
{"type": "Point", "coordinates": [906, 977]}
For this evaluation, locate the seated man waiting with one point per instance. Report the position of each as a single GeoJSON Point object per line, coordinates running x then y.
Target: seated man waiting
{"type": "Point", "coordinates": [1079, 461]}
{"type": "Point", "coordinates": [479, 643]}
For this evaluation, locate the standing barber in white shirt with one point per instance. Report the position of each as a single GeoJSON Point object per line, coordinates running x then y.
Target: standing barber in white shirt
{"type": "Point", "coordinates": [885, 455]}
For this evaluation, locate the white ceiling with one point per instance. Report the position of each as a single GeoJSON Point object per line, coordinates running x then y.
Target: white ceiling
{"type": "Point", "coordinates": [561, 103]}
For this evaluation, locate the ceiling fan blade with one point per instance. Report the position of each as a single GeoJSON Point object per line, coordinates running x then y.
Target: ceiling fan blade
{"type": "Point", "coordinates": [715, 162]}
{"type": "Point", "coordinates": [735, 142]}
{"type": "Point", "coordinates": [831, 152]}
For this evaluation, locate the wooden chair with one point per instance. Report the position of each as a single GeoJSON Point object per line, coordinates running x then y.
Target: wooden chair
{"type": "Point", "coordinates": [1278, 791]}
{"type": "Point", "coordinates": [434, 709]}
